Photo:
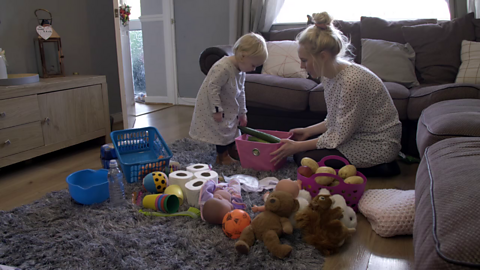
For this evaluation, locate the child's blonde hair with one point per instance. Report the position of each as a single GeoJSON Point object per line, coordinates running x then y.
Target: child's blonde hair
{"type": "Point", "coordinates": [323, 36]}
{"type": "Point", "coordinates": [251, 45]}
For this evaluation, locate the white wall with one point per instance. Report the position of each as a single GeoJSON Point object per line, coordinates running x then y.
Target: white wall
{"type": "Point", "coordinates": [88, 38]}
{"type": "Point", "coordinates": [198, 25]}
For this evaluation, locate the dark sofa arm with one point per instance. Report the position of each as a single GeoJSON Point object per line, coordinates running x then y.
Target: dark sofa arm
{"type": "Point", "coordinates": [211, 55]}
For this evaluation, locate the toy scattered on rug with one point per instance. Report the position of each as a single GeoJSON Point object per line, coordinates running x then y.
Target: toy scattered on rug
{"type": "Point", "coordinates": [348, 173]}
{"type": "Point", "coordinates": [321, 226]}
{"type": "Point", "coordinates": [174, 166]}
{"type": "Point", "coordinates": [252, 184]}
{"type": "Point", "coordinates": [165, 203]}
{"type": "Point", "coordinates": [294, 188]}
{"type": "Point", "coordinates": [107, 153]}
{"type": "Point", "coordinates": [390, 211]}
{"type": "Point", "coordinates": [270, 224]}
{"type": "Point", "coordinates": [6, 267]}
{"type": "Point", "coordinates": [191, 212]}
{"type": "Point", "coordinates": [216, 200]}
{"type": "Point", "coordinates": [349, 218]}
{"type": "Point", "coordinates": [155, 182]}
{"type": "Point", "coordinates": [234, 222]}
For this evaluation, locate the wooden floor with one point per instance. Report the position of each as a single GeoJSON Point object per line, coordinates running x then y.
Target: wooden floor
{"type": "Point", "coordinates": [28, 181]}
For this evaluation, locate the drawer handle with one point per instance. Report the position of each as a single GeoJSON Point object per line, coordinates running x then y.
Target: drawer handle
{"type": "Point", "coordinates": [47, 120]}
{"type": "Point", "coordinates": [8, 142]}
{"type": "Point", "coordinates": [2, 114]}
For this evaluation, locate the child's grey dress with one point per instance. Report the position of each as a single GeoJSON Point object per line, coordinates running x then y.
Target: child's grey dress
{"type": "Point", "coordinates": [221, 91]}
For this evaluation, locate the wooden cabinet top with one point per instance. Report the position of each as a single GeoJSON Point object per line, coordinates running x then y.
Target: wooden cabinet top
{"type": "Point", "coordinates": [49, 85]}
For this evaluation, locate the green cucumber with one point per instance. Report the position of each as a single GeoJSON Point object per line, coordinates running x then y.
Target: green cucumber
{"type": "Point", "coordinates": [261, 135]}
{"type": "Point", "coordinates": [255, 139]}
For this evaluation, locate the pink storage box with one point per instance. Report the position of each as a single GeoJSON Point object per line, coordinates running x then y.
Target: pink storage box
{"type": "Point", "coordinates": [351, 193]}
{"type": "Point", "coordinates": [256, 155]}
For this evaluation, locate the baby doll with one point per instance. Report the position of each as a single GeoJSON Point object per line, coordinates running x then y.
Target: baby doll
{"type": "Point", "coordinates": [216, 200]}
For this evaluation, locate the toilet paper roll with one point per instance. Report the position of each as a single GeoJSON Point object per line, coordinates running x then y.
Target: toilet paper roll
{"type": "Point", "coordinates": [209, 175]}
{"type": "Point", "coordinates": [193, 191]}
{"type": "Point", "coordinates": [198, 168]}
{"type": "Point", "coordinates": [180, 178]}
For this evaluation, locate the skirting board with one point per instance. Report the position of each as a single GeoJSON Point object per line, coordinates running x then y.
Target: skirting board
{"type": "Point", "coordinates": [117, 117]}
{"type": "Point", "coordinates": [157, 100]}
{"type": "Point", "coordinates": [186, 101]}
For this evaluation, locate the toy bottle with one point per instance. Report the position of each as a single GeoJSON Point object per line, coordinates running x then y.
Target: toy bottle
{"type": "Point", "coordinates": [115, 184]}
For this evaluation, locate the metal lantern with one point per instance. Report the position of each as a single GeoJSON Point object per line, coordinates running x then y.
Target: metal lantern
{"type": "Point", "coordinates": [48, 49]}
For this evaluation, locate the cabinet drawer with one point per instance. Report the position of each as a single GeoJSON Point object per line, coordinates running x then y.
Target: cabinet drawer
{"type": "Point", "coordinates": [18, 111]}
{"type": "Point", "coordinates": [20, 138]}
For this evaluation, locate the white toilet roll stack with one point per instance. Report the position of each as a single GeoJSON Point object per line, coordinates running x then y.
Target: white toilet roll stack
{"type": "Point", "coordinates": [208, 175]}
{"type": "Point", "coordinates": [192, 193]}
{"type": "Point", "coordinates": [180, 178]}
{"type": "Point", "coordinates": [199, 167]}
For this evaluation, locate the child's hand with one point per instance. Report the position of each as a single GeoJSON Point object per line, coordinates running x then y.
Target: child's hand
{"type": "Point", "coordinates": [218, 116]}
{"type": "Point", "coordinates": [243, 120]}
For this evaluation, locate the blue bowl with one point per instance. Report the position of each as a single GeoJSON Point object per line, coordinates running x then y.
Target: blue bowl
{"type": "Point", "coordinates": [88, 186]}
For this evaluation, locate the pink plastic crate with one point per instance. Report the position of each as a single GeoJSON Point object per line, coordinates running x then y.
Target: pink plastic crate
{"type": "Point", "coordinates": [351, 193]}
{"type": "Point", "coordinates": [256, 155]}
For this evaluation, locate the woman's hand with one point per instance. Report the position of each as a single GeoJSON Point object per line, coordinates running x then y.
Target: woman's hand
{"type": "Point", "coordinates": [218, 116]}
{"type": "Point", "coordinates": [300, 134]}
{"type": "Point", "coordinates": [288, 148]}
{"type": "Point", "coordinates": [243, 120]}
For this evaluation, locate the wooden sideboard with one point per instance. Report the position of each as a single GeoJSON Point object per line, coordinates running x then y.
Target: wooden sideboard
{"type": "Point", "coordinates": [52, 114]}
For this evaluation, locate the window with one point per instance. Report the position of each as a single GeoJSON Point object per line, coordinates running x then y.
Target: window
{"type": "Point", "coordinates": [136, 47]}
{"type": "Point", "coordinates": [295, 11]}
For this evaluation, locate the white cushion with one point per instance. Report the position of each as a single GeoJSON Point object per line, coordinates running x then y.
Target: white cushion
{"type": "Point", "coordinates": [469, 71]}
{"type": "Point", "coordinates": [283, 60]}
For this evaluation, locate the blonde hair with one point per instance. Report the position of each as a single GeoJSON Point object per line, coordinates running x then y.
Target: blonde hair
{"type": "Point", "coordinates": [323, 36]}
{"type": "Point", "coordinates": [251, 45]}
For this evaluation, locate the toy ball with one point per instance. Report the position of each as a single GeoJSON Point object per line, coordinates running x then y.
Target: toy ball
{"type": "Point", "coordinates": [234, 222]}
{"type": "Point", "coordinates": [155, 182]}
{"type": "Point", "coordinates": [175, 190]}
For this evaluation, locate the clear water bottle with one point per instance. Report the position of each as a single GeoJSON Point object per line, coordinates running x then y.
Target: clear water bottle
{"type": "Point", "coordinates": [115, 184]}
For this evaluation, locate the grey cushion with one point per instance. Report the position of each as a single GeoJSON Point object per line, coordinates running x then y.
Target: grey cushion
{"type": "Point", "coordinates": [377, 28]}
{"type": "Point", "coordinates": [317, 100]}
{"type": "Point", "coordinates": [273, 92]}
{"type": "Point", "coordinates": [423, 96]}
{"type": "Point", "coordinates": [446, 206]}
{"type": "Point", "coordinates": [437, 47]}
{"type": "Point", "coordinates": [448, 119]}
{"type": "Point", "coordinates": [391, 61]}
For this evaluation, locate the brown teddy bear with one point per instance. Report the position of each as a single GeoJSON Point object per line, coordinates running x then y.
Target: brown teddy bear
{"type": "Point", "coordinates": [269, 225]}
{"type": "Point", "coordinates": [321, 225]}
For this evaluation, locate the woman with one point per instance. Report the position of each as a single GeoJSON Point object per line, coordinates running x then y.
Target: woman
{"type": "Point", "coordinates": [362, 122]}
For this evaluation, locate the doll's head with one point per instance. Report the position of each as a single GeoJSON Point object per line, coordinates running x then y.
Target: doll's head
{"type": "Point", "coordinates": [289, 186]}
{"type": "Point", "coordinates": [215, 209]}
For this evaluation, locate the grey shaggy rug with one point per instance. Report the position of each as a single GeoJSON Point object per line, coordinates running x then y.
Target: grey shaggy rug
{"type": "Point", "coordinates": [57, 233]}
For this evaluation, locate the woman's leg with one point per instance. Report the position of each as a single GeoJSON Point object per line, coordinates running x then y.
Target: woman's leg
{"type": "Point", "coordinates": [318, 154]}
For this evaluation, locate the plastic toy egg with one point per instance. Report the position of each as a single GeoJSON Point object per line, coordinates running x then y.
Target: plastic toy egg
{"type": "Point", "coordinates": [155, 182]}
{"type": "Point", "coordinates": [175, 190]}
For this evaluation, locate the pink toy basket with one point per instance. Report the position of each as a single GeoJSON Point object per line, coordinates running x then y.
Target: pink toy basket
{"type": "Point", "coordinates": [351, 193]}
{"type": "Point", "coordinates": [256, 155]}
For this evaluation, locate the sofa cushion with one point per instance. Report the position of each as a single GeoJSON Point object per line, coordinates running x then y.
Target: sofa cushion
{"type": "Point", "coordinates": [285, 34]}
{"type": "Point", "coordinates": [316, 100]}
{"type": "Point", "coordinates": [391, 61]}
{"type": "Point", "coordinates": [437, 47]}
{"type": "Point", "coordinates": [448, 119]}
{"type": "Point", "coordinates": [283, 60]}
{"type": "Point", "coordinates": [273, 92]}
{"type": "Point", "coordinates": [399, 94]}
{"type": "Point", "coordinates": [445, 231]}
{"type": "Point", "coordinates": [469, 71]}
{"type": "Point", "coordinates": [352, 31]}
{"type": "Point", "coordinates": [376, 28]}
{"type": "Point", "coordinates": [423, 96]}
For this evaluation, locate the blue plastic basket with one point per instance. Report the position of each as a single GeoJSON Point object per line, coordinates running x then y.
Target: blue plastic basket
{"type": "Point", "coordinates": [140, 152]}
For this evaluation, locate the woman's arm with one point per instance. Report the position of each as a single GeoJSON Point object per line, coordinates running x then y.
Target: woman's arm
{"type": "Point", "coordinates": [317, 129]}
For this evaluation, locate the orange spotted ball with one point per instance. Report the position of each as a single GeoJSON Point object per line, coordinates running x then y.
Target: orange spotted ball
{"type": "Point", "coordinates": [234, 222]}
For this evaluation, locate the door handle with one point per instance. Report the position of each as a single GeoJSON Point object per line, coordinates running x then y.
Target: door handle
{"type": "Point", "coordinates": [8, 142]}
